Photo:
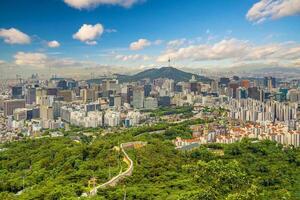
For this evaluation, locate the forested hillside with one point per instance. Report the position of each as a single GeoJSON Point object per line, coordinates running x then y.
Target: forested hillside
{"type": "Point", "coordinates": [60, 168]}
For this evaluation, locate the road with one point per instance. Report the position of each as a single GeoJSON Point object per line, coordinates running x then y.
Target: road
{"type": "Point", "coordinates": [112, 182]}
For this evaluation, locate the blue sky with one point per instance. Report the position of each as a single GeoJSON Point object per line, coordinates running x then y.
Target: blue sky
{"type": "Point", "coordinates": [205, 33]}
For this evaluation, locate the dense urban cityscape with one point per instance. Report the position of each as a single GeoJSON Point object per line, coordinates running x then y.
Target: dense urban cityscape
{"type": "Point", "coordinates": [262, 108]}
{"type": "Point", "coordinates": [149, 100]}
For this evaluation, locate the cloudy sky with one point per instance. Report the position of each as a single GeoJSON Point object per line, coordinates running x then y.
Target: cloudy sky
{"type": "Point", "coordinates": [37, 34]}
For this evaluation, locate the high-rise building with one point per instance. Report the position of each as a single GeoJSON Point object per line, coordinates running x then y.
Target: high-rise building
{"type": "Point", "coordinates": [254, 93]}
{"type": "Point", "coordinates": [294, 95]}
{"type": "Point", "coordinates": [110, 84]}
{"type": "Point", "coordinates": [138, 97]}
{"type": "Point", "coordinates": [193, 84]}
{"type": "Point", "coordinates": [164, 101]}
{"type": "Point", "coordinates": [242, 93]}
{"type": "Point", "coordinates": [233, 89]}
{"type": "Point", "coordinates": [214, 86]}
{"type": "Point", "coordinates": [67, 95]}
{"type": "Point", "coordinates": [150, 103]}
{"type": "Point", "coordinates": [224, 82]}
{"type": "Point", "coordinates": [270, 82]}
{"type": "Point", "coordinates": [245, 83]}
{"type": "Point", "coordinates": [10, 105]}
{"type": "Point", "coordinates": [30, 95]}
{"type": "Point", "coordinates": [147, 90]}
{"type": "Point", "coordinates": [88, 95]}
{"type": "Point", "coordinates": [52, 91]}
{"type": "Point", "coordinates": [117, 101]}
{"type": "Point", "coordinates": [129, 96]}
{"type": "Point", "coordinates": [46, 112]}
{"type": "Point", "coordinates": [17, 92]}
{"type": "Point", "coordinates": [33, 113]}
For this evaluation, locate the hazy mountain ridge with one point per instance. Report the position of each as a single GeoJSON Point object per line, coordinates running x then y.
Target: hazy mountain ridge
{"type": "Point", "coordinates": [163, 72]}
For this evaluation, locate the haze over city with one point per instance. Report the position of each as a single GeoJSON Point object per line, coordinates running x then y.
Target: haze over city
{"type": "Point", "coordinates": [150, 99]}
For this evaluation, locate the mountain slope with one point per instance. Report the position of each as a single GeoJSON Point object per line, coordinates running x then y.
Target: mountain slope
{"type": "Point", "coordinates": [164, 72]}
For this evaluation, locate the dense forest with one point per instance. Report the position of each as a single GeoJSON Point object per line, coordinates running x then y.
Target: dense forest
{"type": "Point", "coordinates": [60, 168]}
{"type": "Point", "coordinates": [247, 170]}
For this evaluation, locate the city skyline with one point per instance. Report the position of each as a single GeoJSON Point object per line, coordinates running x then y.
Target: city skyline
{"type": "Point", "coordinates": [140, 34]}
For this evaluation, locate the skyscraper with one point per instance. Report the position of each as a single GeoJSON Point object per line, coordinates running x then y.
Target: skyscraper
{"type": "Point", "coordinates": [138, 97]}
{"type": "Point", "coordinates": [10, 105]}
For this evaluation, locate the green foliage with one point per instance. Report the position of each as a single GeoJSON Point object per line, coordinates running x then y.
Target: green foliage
{"type": "Point", "coordinates": [247, 171]}
{"type": "Point", "coordinates": [54, 168]}
{"type": "Point", "coordinates": [60, 168]}
{"type": "Point", "coordinates": [185, 111]}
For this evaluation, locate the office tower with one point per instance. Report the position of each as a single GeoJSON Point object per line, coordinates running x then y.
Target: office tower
{"type": "Point", "coordinates": [138, 97]}
{"type": "Point", "coordinates": [254, 93]}
{"type": "Point", "coordinates": [293, 95]}
{"type": "Point", "coordinates": [233, 89]}
{"type": "Point", "coordinates": [88, 95]}
{"type": "Point", "coordinates": [193, 84]}
{"type": "Point", "coordinates": [158, 82]}
{"type": "Point", "coordinates": [150, 103]}
{"type": "Point", "coordinates": [147, 90]}
{"type": "Point", "coordinates": [284, 92]}
{"type": "Point", "coordinates": [91, 107]}
{"type": "Point", "coordinates": [67, 95]}
{"type": "Point", "coordinates": [30, 95]}
{"type": "Point", "coordinates": [169, 84]}
{"type": "Point", "coordinates": [45, 100]}
{"type": "Point", "coordinates": [129, 94]}
{"type": "Point", "coordinates": [62, 84]}
{"type": "Point", "coordinates": [214, 86]}
{"type": "Point", "coordinates": [242, 93]}
{"type": "Point", "coordinates": [33, 113]}
{"type": "Point", "coordinates": [270, 82]}
{"type": "Point", "coordinates": [164, 101]}
{"type": "Point", "coordinates": [71, 84]}
{"type": "Point", "coordinates": [52, 91]}
{"type": "Point", "coordinates": [245, 84]}
{"type": "Point", "coordinates": [111, 84]}
{"type": "Point", "coordinates": [40, 92]}
{"type": "Point", "coordinates": [17, 92]}
{"type": "Point", "coordinates": [10, 105]}
{"type": "Point", "coordinates": [224, 82]}
{"type": "Point", "coordinates": [178, 87]}
{"type": "Point", "coordinates": [65, 114]}
{"type": "Point", "coordinates": [267, 96]}
{"type": "Point", "coordinates": [117, 101]}
{"type": "Point", "coordinates": [46, 112]}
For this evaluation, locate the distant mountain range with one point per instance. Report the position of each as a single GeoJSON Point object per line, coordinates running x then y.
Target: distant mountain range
{"type": "Point", "coordinates": [163, 72]}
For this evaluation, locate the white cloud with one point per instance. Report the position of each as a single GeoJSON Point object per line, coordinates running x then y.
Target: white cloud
{"type": "Point", "coordinates": [14, 36]}
{"type": "Point", "coordinates": [89, 33]}
{"type": "Point", "coordinates": [235, 51]}
{"type": "Point", "coordinates": [223, 49]}
{"type": "Point", "coordinates": [135, 57]}
{"type": "Point", "coordinates": [86, 4]}
{"type": "Point", "coordinates": [31, 59]}
{"type": "Point", "coordinates": [41, 60]}
{"type": "Point", "coordinates": [140, 44]}
{"type": "Point", "coordinates": [53, 44]}
{"type": "Point", "coordinates": [273, 9]}
{"type": "Point", "coordinates": [177, 43]}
